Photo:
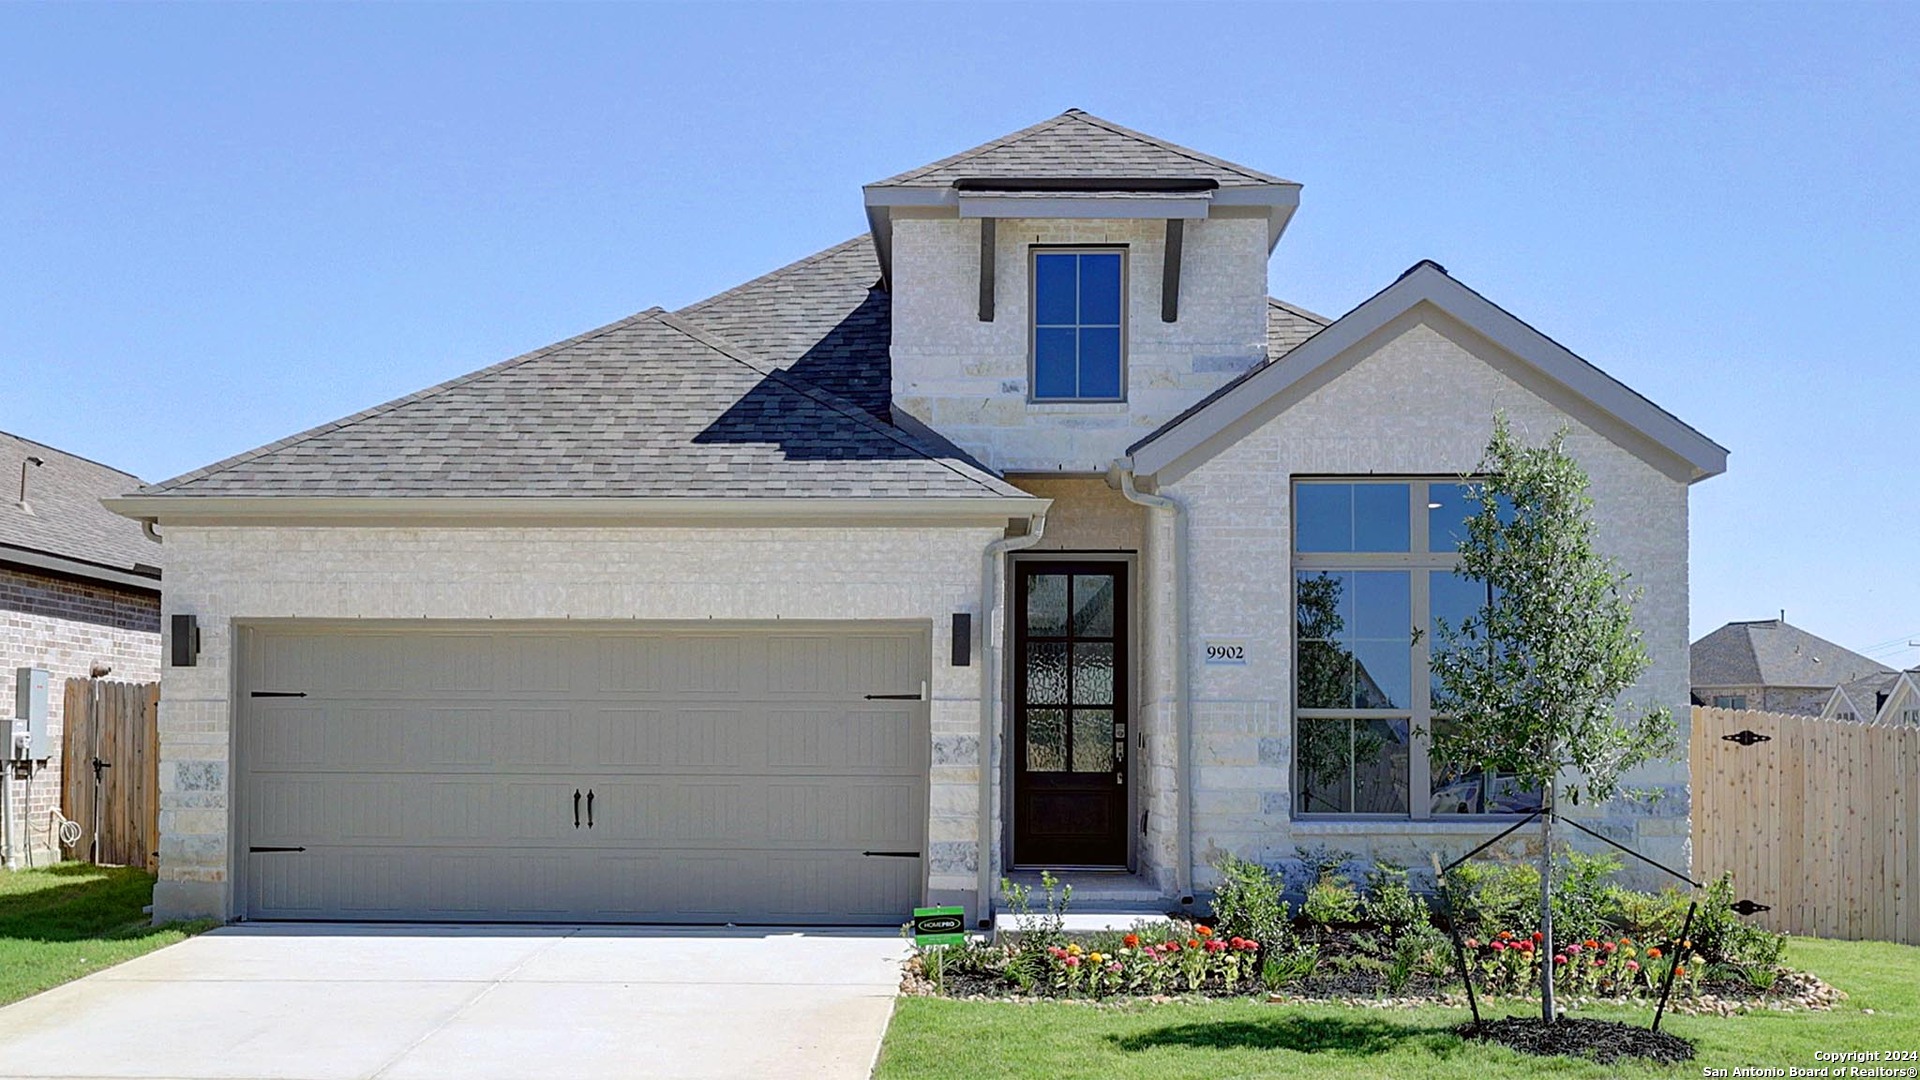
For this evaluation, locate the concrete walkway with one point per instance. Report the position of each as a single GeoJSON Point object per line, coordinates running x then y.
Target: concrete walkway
{"type": "Point", "coordinates": [423, 1003]}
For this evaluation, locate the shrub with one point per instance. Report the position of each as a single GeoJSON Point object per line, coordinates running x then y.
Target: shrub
{"type": "Point", "coordinates": [1331, 900]}
{"type": "Point", "coordinates": [1391, 903]}
{"type": "Point", "coordinates": [1490, 897]}
{"type": "Point", "coordinates": [1720, 935]}
{"type": "Point", "coordinates": [1248, 904]}
{"type": "Point", "coordinates": [1579, 891]}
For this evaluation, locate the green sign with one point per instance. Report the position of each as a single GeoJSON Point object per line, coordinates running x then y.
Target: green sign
{"type": "Point", "coordinates": [939, 926]}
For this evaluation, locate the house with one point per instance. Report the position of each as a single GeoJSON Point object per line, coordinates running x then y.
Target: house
{"type": "Point", "coordinates": [79, 593]}
{"type": "Point", "coordinates": [1773, 666]}
{"type": "Point", "coordinates": [969, 544]}
{"type": "Point", "coordinates": [1891, 698]}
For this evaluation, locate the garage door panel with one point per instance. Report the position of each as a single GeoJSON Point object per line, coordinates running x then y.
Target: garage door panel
{"type": "Point", "coordinates": [737, 774]}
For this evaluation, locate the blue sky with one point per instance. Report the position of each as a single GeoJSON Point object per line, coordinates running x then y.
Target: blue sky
{"type": "Point", "coordinates": [219, 225]}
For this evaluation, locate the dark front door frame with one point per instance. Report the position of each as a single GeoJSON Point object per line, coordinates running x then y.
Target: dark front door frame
{"type": "Point", "coordinates": [1120, 853]}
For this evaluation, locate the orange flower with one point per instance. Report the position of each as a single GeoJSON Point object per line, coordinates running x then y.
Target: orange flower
{"type": "Point", "coordinates": [1681, 972]}
{"type": "Point", "coordinates": [1193, 943]}
{"type": "Point", "coordinates": [1654, 953]}
{"type": "Point", "coordinates": [1131, 941]}
{"type": "Point", "coordinates": [1203, 931]}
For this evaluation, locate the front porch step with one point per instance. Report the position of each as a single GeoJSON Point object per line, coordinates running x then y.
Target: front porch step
{"type": "Point", "coordinates": [1101, 901]}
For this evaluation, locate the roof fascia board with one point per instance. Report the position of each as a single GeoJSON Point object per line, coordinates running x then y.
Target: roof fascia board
{"type": "Point", "coordinates": [539, 511]}
{"type": "Point", "coordinates": [75, 568]}
{"type": "Point", "coordinates": [1425, 285]}
{"type": "Point", "coordinates": [987, 205]}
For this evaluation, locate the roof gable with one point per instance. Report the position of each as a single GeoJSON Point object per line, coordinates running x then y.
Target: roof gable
{"type": "Point", "coordinates": [1262, 392]}
{"type": "Point", "coordinates": [651, 406]}
{"type": "Point", "coordinates": [1077, 144]}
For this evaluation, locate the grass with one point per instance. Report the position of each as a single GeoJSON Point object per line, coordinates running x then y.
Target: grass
{"type": "Point", "coordinates": [73, 919]}
{"type": "Point", "coordinates": [954, 1040]}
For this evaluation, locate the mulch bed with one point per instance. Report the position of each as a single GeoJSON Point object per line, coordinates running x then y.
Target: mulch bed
{"type": "Point", "coordinates": [1604, 1041]}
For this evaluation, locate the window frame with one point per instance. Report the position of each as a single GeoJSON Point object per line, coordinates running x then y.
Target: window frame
{"type": "Point", "coordinates": [1419, 563]}
{"type": "Point", "coordinates": [1034, 251]}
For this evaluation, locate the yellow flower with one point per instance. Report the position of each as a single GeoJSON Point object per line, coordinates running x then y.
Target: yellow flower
{"type": "Point", "coordinates": [1074, 949]}
{"type": "Point", "coordinates": [1096, 958]}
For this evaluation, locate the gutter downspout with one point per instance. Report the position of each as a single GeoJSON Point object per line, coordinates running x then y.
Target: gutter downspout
{"type": "Point", "coordinates": [991, 593]}
{"type": "Point", "coordinates": [1182, 703]}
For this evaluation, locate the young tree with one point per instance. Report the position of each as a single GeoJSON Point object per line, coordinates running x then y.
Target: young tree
{"type": "Point", "coordinates": [1530, 685]}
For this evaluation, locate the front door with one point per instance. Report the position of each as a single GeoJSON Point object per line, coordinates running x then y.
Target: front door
{"type": "Point", "coordinates": [1070, 714]}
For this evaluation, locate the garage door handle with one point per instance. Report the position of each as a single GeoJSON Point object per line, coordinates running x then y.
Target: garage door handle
{"type": "Point", "coordinates": [270, 850]}
{"type": "Point", "coordinates": [576, 808]}
{"type": "Point", "coordinates": [891, 854]}
{"type": "Point", "coordinates": [589, 808]}
{"type": "Point", "coordinates": [921, 696]}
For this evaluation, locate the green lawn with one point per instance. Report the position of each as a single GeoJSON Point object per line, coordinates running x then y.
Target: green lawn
{"type": "Point", "coordinates": [1215, 1041]}
{"type": "Point", "coordinates": [71, 919]}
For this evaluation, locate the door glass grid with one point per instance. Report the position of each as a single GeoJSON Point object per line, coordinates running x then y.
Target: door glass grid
{"type": "Point", "coordinates": [1068, 688]}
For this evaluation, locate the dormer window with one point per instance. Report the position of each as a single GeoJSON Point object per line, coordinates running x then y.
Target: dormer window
{"type": "Point", "coordinates": [1079, 324]}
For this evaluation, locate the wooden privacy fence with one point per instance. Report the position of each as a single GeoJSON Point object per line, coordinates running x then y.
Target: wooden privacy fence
{"type": "Point", "coordinates": [1820, 821]}
{"type": "Point", "coordinates": [116, 723]}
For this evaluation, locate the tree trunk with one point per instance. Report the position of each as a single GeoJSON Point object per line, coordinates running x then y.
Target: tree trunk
{"type": "Point", "coordinates": [1546, 907]}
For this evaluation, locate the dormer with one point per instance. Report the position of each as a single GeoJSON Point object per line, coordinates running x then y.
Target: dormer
{"type": "Point", "coordinates": [1062, 291]}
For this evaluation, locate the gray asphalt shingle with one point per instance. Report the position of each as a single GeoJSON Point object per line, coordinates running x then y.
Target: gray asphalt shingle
{"type": "Point", "coordinates": [651, 406]}
{"type": "Point", "coordinates": [66, 517]}
{"type": "Point", "coordinates": [1076, 144]}
{"type": "Point", "coordinates": [1771, 652]}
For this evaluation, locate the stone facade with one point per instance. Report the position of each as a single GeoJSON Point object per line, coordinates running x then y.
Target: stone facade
{"type": "Point", "coordinates": [64, 625]}
{"type": "Point", "coordinates": [1793, 700]}
{"type": "Point", "coordinates": [1421, 403]}
{"type": "Point", "coordinates": [968, 379]}
{"type": "Point", "coordinates": [226, 573]}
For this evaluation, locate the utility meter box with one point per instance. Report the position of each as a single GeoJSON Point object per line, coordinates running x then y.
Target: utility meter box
{"type": "Point", "coordinates": [29, 740]}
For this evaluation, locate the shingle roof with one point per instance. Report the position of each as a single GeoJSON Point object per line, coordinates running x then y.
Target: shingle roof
{"type": "Point", "coordinates": [1077, 144]}
{"type": "Point", "coordinates": [1866, 694]}
{"type": "Point", "coordinates": [1771, 652]}
{"type": "Point", "coordinates": [650, 406]}
{"type": "Point", "coordinates": [823, 319]}
{"type": "Point", "coordinates": [66, 518]}
{"type": "Point", "coordinates": [1288, 326]}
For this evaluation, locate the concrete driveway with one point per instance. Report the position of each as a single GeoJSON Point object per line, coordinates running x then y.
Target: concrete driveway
{"type": "Point", "coordinates": [518, 1003]}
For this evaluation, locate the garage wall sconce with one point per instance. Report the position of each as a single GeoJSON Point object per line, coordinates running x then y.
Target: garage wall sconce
{"type": "Point", "coordinates": [186, 640]}
{"type": "Point", "coordinates": [962, 639]}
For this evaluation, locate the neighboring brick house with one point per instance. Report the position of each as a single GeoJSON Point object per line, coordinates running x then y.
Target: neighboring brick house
{"type": "Point", "coordinates": [974, 543]}
{"type": "Point", "coordinates": [79, 592]}
{"type": "Point", "coordinates": [1890, 698]}
{"type": "Point", "coordinates": [1770, 665]}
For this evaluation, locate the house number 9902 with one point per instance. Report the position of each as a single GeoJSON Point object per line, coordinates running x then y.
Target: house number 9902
{"type": "Point", "coordinates": [1226, 652]}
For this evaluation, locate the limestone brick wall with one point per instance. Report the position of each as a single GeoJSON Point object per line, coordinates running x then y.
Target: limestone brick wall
{"type": "Point", "coordinates": [969, 379]}
{"type": "Point", "coordinates": [1421, 404]}
{"type": "Point", "coordinates": [226, 573]}
{"type": "Point", "coordinates": [65, 626]}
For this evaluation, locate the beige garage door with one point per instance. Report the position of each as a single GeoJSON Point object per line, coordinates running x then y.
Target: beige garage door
{"type": "Point", "coordinates": [660, 774]}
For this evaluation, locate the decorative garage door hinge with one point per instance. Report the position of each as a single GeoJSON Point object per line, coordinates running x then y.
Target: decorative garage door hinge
{"type": "Point", "coordinates": [1747, 738]}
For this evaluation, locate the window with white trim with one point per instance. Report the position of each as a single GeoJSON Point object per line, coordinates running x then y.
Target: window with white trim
{"type": "Point", "coordinates": [1079, 307]}
{"type": "Point", "coordinates": [1374, 574]}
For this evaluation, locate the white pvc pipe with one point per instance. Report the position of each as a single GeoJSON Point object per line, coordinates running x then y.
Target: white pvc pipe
{"type": "Point", "coordinates": [1182, 705]}
{"type": "Point", "coordinates": [991, 594]}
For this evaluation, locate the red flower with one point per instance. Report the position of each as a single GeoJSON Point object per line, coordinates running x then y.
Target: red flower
{"type": "Point", "coordinates": [1216, 946]}
{"type": "Point", "coordinates": [1538, 936]}
{"type": "Point", "coordinates": [1073, 961]}
{"type": "Point", "coordinates": [1131, 941]}
{"type": "Point", "coordinates": [1499, 946]}
{"type": "Point", "coordinates": [1526, 946]}
{"type": "Point", "coordinates": [1171, 946]}
{"type": "Point", "coordinates": [1472, 944]}
{"type": "Point", "coordinates": [1561, 959]}
{"type": "Point", "coordinates": [1608, 946]}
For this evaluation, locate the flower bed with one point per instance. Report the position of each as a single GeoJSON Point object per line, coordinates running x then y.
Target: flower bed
{"type": "Point", "coordinates": [1382, 947]}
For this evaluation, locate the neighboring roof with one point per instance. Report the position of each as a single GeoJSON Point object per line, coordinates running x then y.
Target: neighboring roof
{"type": "Point", "coordinates": [651, 406]}
{"type": "Point", "coordinates": [1078, 144]}
{"type": "Point", "coordinates": [1772, 652]}
{"type": "Point", "coordinates": [64, 527]}
{"type": "Point", "coordinates": [1263, 390]}
{"type": "Point", "coordinates": [1869, 697]}
{"type": "Point", "coordinates": [822, 319]}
